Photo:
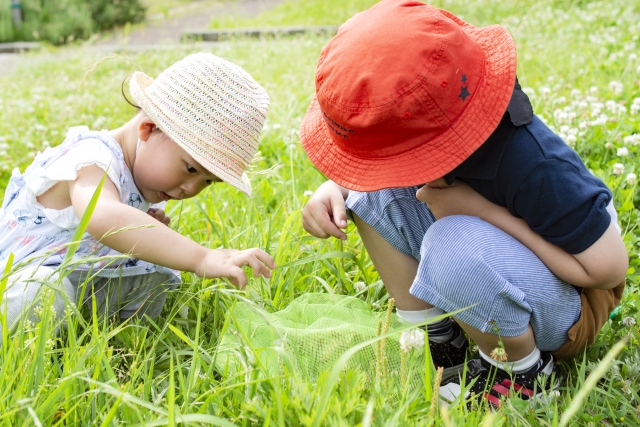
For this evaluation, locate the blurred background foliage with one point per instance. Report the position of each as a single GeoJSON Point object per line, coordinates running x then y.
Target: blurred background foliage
{"type": "Point", "coordinates": [60, 21]}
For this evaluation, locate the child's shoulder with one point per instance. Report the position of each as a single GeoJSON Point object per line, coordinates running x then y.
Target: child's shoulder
{"type": "Point", "coordinates": [535, 146]}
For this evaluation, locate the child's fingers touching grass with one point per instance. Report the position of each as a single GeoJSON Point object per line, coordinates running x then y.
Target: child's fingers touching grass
{"type": "Point", "coordinates": [229, 262]}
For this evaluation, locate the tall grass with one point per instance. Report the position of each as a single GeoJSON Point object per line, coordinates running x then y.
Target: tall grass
{"type": "Point", "coordinates": [162, 371]}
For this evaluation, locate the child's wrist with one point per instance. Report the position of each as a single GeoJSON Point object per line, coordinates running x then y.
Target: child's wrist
{"type": "Point", "coordinates": [200, 259]}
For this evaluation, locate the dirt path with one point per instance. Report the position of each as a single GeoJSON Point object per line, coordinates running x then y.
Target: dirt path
{"type": "Point", "coordinates": [197, 15]}
{"type": "Point", "coordinates": [159, 31]}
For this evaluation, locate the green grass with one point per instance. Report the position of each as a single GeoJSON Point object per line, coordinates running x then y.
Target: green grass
{"type": "Point", "coordinates": [163, 372]}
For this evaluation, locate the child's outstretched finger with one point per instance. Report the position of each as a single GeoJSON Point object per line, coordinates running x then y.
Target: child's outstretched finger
{"type": "Point", "coordinates": [265, 258]}
{"type": "Point", "coordinates": [238, 277]}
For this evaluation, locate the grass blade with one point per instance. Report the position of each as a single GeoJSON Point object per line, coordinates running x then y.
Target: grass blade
{"type": "Point", "coordinates": [592, 380]}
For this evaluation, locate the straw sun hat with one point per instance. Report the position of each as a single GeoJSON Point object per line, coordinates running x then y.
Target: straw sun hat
{"type": "Point", "coordinates": [211, 108]}
{"type": "Point", "coordinates": [405, 92]}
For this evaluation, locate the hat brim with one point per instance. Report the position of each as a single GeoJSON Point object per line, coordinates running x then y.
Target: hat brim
{"type": "Point", "coordinates": [138, 85]}
{"type": "Point", "coordinates": [436, 157]}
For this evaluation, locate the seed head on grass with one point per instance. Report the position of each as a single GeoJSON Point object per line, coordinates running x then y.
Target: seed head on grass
{"type": "Point", "coordinates": [499, 354]}
{"type": "Point", "coordinates": [435, 397]}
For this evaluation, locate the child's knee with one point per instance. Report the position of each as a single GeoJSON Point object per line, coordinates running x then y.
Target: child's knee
{"type": "Point", "coordinates": [456, 260]}
{"type": "Point", "coordinates": [148, 296]}
{"type": "Point", "coordinates": [34, 291]}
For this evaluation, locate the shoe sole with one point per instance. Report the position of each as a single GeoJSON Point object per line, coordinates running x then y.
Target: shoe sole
{"type": "Point", "coordinates": [450, 392]}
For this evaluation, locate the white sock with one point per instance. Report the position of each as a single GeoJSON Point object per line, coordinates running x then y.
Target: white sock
{"type": "Point", "coordinates": [417, 316]}
{"type": "Point", "coordinates": [519, 365]}
{"type": "Point", "coordinates": [438, 332]}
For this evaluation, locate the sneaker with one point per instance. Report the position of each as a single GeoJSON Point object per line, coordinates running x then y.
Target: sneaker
{"type": "Point", "coordinates": [493, 384]}
{"type": "Point", "coordinates": [450, 355]}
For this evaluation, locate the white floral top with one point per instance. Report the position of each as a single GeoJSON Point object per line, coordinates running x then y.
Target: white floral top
{"type": "Point", "coordinates": [37, 235]}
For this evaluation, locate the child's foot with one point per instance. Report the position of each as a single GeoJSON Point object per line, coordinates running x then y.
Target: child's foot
{"type": "Point", "coordinates": [493, 384]}
{"type": "Point", "coordinates": [450, 354]}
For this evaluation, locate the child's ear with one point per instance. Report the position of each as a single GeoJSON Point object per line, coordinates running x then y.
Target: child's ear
{"type": "Point", "coordinates": [145, 128]}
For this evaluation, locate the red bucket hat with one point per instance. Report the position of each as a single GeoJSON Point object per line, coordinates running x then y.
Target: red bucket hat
{"type": "Point", "coordinates": [405, 92]}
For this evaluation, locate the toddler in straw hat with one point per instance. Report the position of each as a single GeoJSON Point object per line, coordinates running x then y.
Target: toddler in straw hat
{"type": "Point", "coordinates": [510, 227]}
{"type": "Point", "coordinates": [199, 123]}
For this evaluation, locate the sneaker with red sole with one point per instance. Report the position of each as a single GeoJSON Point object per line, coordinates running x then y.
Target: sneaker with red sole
{"type": "Point", "coordinates": [493, 384]}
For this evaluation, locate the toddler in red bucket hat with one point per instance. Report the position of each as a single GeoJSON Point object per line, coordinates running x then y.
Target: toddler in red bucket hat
{"type": "Point", "coordinates": [462, 196]}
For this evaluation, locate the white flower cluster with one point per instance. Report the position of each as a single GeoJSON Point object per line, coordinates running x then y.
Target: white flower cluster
{"type": "Point", "coordinates": [632, 179]}
{"type": "Point", "coordinates": [629, 321]}
{"type": "Point", "coordinates": [569, 134]}
{"type": "Point", "coordinates": [359, 286]}
{"type": "Point", "coordinates": [633, 139]}
{"type": "Point", "coordinates": [411, 339]}
{"type": "Point", "coordinates": [618, 169]}
{"type": "Point", "coordinates": [616, 87]}
{"type": "Point", "coordinates": [635, 107]}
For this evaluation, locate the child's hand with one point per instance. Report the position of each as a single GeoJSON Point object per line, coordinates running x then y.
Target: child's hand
{"type": "Point", "coordinates": [159, 215]}
{"type": "Point", "coordinates": [325, 213]}
{"type": "Point", "coordinates": [228, 262]}
{"type": "Point", "coordinates": [455, 199]}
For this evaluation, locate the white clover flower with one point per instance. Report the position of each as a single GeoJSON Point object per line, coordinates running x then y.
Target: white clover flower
{"type": "Point", "coordinates": [636, 101]}
{"type": "Point", "coordinates": [376, 306]}
{"type": "Point", "coordinates": [632, 57]}
{"type": "Point", "coordinates": [359, 286]}
{"type": "Point", "coordinates": [593, 89]}
{"type": "Point", "coordinates": [633, 139]}
{"type": "Point", "coordinates": [629, 321]}
{"type": "Point", "coordinates": [616, 86]}
{"type": "Point", "coordinates": [583, 105]}
{"type": "Point", "coordinates": [277, 126]}
{"type": "Point", "coordinates": [545, 90]}
{"type": "Point", "coordinates": [638, 69]}
{"type": "Point", "coordinates": [618, 169]}
{"type": "Point", "coordinates": [634, 109]}
{"type": "Point", "coordinates": [561, 100]}
{"type": "Point", "coordinates": [411, 339]}
{"type": "Point", "coordinates": [307, 193]}
{"type": "Point", "coordinates": [623, 151]}
{"type": "Point", "coordinates": [571, 139]}
{"type": "Point", "coordinates": [632, 179]}
{"type": "Point", "coordinates": [608, 145]}
{"type": "Point", "coordinates": [576, 93]}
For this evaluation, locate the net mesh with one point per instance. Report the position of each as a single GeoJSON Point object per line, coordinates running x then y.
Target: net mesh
{"type": "Point", "coordinates": [314, 331]}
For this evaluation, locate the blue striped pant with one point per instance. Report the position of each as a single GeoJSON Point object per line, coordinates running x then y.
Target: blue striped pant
{"type": "Point", "coordinates": [464, 261]}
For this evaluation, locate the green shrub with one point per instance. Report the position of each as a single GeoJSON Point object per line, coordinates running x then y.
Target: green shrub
{"type": "Point", "coordinates": [115, 13]}
{"type": "Point", "coordinates": [58, 21]}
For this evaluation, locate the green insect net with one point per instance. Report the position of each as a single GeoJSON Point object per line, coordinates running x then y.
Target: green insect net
{"type": "Point", "coordinates": [309, 336]}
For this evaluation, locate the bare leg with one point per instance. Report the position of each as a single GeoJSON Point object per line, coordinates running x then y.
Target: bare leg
{"type": "Point", "coordinates": [397, 270]}
{"type": "Point", "coordinates": [516, 347]}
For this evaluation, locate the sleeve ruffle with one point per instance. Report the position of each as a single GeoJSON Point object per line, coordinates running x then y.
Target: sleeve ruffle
{"type": "Point", "coordinates": [65, 168]}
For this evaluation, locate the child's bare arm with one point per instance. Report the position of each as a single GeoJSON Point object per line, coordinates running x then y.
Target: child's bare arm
{"type": "Point", "coordinates": [152, 241]}
{"type": "Point", "coordinates": [602, 266]}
